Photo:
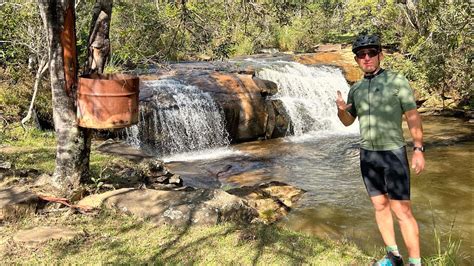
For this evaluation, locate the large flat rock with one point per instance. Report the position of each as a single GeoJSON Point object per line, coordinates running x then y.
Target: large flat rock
{"type": "Point", "coordinates": [16, 202]}
{"type": "Point", "coordinates": [42, 234]}
{"type": "Point", "coordinates": [201, 206]}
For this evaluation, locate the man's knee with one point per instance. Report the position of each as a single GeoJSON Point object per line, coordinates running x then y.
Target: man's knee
{"type": "Point", "coordinates": [402, 210]}
{"type": "Point", "coordinates": [381, 203]}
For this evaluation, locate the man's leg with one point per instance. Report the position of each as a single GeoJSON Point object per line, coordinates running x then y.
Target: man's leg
{"type": "Point", "coordinates": [383, 217]}
{"type": "Point", "coordinates": [408, 226]}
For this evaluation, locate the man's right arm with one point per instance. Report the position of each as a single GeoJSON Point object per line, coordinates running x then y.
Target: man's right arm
{"type": "Point", "coordinates": [346, 118]}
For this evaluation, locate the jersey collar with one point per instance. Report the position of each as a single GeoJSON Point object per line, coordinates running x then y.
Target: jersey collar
{"type": "Point", "coordinates": [373, 75]}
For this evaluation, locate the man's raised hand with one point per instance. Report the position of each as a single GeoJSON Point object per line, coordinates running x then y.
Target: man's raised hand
{"type": "Point", "coordinates": [341, 104]}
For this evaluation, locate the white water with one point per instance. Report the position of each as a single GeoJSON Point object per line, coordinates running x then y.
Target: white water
{"type": "Point", "coordinates": [309, 94]}
{"type": "Point", "coordinates": [192, 123]}
{"type": "Point", "coordinates": [193, 126]}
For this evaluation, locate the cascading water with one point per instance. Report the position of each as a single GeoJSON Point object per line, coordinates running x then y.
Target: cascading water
{"type": "Point", "coordinates": [308, 94]}
{"type": "Point", "coordinates": [183, 118]}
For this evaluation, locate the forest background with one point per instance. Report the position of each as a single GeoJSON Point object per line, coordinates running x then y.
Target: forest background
{"type": "Point", "coordinates": [428, 41]}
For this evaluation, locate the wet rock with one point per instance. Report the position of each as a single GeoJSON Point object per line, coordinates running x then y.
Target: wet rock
{"type": "Point", "coordinates": [200, 206]}
{"type": "Point", "coordinates": [282, 120]}
{"type": "Point", "coordinates": [158, 176]}
{"type": "Point", "coordinates": [268, 87]}
{"type": "Point", "coordinates": [16, 202]}
{"type": "Point", "coordinates": [273, 200]}
{"type": "Point", "coordinates": [241, 96]}
{"type": "Point", "coordinates": [43, 234]}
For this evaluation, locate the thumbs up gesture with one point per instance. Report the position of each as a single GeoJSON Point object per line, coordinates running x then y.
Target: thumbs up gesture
{"type": "Point", "coordinates": [341, 104]}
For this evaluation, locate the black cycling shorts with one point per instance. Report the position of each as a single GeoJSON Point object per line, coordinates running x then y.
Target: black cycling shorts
{"type": "Point", "coordinates": [386, 172]}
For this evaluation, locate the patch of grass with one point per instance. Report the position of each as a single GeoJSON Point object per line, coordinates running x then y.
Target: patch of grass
{"type": "Point", "coordinates": [447, 248]}
{"type": "Point", "coordinates": [119, 239]}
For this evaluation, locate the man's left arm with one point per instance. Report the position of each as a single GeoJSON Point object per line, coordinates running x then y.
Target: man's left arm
{"type": "Point", "coordinates": [416, 131]}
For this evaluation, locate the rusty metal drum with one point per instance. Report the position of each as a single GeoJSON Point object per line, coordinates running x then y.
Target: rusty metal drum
{"type": "Point", "coordinates": [107, 101]}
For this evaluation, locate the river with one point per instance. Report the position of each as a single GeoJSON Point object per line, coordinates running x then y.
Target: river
{"type": "Point", "coordinates": [336, 205]}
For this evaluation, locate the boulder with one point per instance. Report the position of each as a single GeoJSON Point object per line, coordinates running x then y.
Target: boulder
{"type": "Point", "coordinates": [179, 208]}
{"type": "Point", "coordinates": [242, 97]}
{"type": "Point", "coordinates": [272, 200]}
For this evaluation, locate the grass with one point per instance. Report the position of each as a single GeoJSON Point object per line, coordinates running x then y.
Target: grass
{"type": "Point", "coordinates": [447, 248]}
{"type": "Point", "coordinates": [114, 238]}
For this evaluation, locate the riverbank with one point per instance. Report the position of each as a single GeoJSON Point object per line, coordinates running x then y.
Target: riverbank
{"type": "Point", "coordinates": [107, 236]}
{"type": "Point", "coordinates": [112, 237]}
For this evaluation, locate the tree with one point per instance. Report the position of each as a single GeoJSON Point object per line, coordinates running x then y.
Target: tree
{"type": "Point", "coordinates": [73, 142]}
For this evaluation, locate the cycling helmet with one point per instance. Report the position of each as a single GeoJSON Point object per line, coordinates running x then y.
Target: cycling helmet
{"type": "Point", "coordinates": [366, 41]}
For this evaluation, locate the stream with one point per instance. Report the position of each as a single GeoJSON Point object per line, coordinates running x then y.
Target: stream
{"type": "Point", "coordinates": [336, 204]}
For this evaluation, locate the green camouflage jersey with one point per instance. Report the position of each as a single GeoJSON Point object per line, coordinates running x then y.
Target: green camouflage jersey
{"type": "Point", "coordinates": [379, 102]}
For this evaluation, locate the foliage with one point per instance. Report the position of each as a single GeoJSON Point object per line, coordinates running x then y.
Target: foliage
{"type": "Point", "coordinates": [22, 46]}
{"type": "Point", "coordinates": [431, 39]}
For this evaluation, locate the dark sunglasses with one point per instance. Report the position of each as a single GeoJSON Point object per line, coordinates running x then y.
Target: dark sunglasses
{"type": "Point", "coordinates": [370, 53]}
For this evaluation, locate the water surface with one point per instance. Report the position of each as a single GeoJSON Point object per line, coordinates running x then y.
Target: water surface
{"type": "Point", "coordinates": [336, 205]}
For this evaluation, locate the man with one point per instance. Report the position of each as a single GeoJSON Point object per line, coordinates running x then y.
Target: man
{"type": "Point", "coordinates": [380, 100]}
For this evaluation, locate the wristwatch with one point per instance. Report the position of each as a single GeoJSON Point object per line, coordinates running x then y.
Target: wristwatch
{"type": "Point", "coordinates": [422, 149]}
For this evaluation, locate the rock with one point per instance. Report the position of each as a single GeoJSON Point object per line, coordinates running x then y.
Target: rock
{"type": "Point", "coordinates": [176, 179]}
{"type": "Point", "coordinates": [241, 97]}
{"type": "Point", "coordinates": [6, 169]}
{"type": "Point", "coordinates": [16, 202]}
{"type": "Point", "coordinates": [273, 200]}
{"type": "Point", "coordinates": [5, 166]}
{"type": "Point", "coordinates": [269, 51]}
{"type": "Point", "coordinates": [328, 48]}
{"type": "Point", "coordinates": [282, 124]}
{"type": "Point", "coordinates": [268, 87]}
{"type": "Point", "coordinates": [40, 235]}
{"type": "Point", "coordinates": [200, 206]}
{"type": "Point", "coordinates": [342, 59]}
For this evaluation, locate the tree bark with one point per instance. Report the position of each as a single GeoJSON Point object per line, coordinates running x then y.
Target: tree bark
{"type": "Point", "coordinates": [99, 41]}
{"type": "Point", "coordinates": [42, 67]}
{"type": "Point", "coordinates": [72, 154]}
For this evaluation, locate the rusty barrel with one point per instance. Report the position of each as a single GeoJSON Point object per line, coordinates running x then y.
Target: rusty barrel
{"type": "Point", "coordinates": [107, 101]}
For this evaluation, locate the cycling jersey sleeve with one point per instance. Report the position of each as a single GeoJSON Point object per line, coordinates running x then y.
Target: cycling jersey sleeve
{"type": "Point", "coordinates": [406, 96]}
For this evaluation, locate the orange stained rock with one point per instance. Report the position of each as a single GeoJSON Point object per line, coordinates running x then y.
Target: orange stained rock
{"type": "Point", "coordinates": [343, 59]}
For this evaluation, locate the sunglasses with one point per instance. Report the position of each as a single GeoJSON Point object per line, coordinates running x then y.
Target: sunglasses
{"type": "Point", "coordinates": [370, 53]}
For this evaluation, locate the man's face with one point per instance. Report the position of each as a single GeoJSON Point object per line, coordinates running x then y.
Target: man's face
{"type": "Point", "coordinates": [368, 59]}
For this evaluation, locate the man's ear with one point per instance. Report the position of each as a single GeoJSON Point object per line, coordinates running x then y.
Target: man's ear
{"type": "Point", "coordinates": [381, 56]}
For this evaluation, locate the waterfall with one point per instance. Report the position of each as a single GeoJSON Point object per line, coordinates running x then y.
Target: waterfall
{"type": "Point", "coordinates": [182, 119]}
{"type": "Point", "coordinates": [309, 94]}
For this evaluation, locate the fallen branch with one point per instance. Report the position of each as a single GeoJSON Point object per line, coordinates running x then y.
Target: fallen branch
{"type": "Point", "coordinates": [80, 208]}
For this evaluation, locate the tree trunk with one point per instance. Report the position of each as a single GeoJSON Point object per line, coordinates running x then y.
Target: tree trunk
{"type": "Point", "coordinates": [72, 154]}
{"type": "Point", "coordinates": [99, 41]}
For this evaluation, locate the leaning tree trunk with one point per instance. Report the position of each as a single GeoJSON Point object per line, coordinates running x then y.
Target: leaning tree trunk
{"type": "Point", "coordinates": [99, 41]}
{"type": "Point", "coordinates": [72, 154]}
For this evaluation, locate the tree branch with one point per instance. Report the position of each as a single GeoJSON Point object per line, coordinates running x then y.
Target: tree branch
{"type": "Point", "coordinates": [42, 67]}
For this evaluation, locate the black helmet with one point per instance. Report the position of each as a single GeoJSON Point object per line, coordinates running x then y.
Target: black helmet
{"type": "Point", "coordinates": [366, 41]}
